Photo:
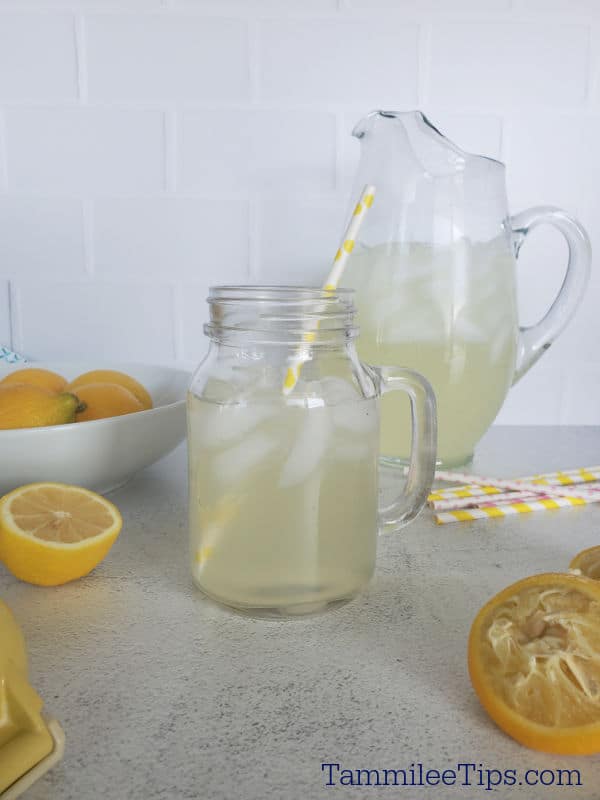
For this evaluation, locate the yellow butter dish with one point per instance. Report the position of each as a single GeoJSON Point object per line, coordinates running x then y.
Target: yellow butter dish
{"type": "Point", "coordinates": [30, 743]}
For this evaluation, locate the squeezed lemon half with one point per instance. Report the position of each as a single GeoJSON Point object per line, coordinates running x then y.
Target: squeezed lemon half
{"type": "Point", "coordinates": [588, 562]}
{"type": "Point", "coordinates": [534, 661]}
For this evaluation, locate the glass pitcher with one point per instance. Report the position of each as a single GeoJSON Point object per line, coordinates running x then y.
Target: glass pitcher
{"type": "Point", "coordinates": [434, 272]}
{"type": "Point", "coordinates": [283, 488]}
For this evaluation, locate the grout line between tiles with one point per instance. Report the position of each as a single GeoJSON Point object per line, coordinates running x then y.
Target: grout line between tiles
{"type": "Point", "coordinates": [81, 58]}
{"type": "Point", "coordinates": [177, 314]}
{"type": "Point", "coordinates": [423, 63]}
{"type": "Point", "coordinates": [253, 35]}
{"type": "Point", "coordinates": [89, 261]}
{"type": "Point", "coordinates": [253, 237]}
{"type": "Point", "coordinates": [3, 153]}
{"type": "Point", "coordinates": [170, 151]}
{"type": "Point", "coordinates": [16, 332]}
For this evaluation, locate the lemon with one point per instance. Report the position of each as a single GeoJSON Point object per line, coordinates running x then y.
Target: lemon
{"type": "Point", "coordinates": [534, 661]}
{"type": "Point", "coordinates": [115, 377]}
{"type": "Point", "coordinates": [101, 400]}
{"type": "Point", "coordinates": [23, 406]}
{"type": "Point", "coordinates": [52, 533]}
{"type": "Point", "coordinates": [43, 378]}
{"type": "Point", "coordinates": [588, 562]}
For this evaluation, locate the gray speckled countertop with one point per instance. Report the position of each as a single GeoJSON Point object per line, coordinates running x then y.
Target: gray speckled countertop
{"type": "Point", "coordinates": [164, 696]}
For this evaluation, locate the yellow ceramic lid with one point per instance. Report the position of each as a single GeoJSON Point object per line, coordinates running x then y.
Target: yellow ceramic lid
{"type": "Point", "coordinates": [25, 739]}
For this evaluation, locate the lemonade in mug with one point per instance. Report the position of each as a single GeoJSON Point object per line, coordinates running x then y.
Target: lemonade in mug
{"type": "Point", "coordinates": [283, 487]}
{"type": "Point", "coordinates": [435, 279]}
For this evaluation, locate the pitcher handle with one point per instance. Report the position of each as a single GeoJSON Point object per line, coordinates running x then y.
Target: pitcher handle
{"type": "Point", "coordinates": [423, 444]}
{"type": "Point", "coordinates": [534, 340]}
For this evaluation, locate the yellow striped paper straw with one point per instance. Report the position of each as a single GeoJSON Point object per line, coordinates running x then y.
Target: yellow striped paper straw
{"type": "Point", "coordinates": [335, 273]}
{"type": "Point", "coordinates": [560, 478]}
{"type": "Point", "coordinates": [454, 503]}
{"type": "Point", "coordinates": [523, 486]}
{"type": "Point", "coordinates": [505, 510]}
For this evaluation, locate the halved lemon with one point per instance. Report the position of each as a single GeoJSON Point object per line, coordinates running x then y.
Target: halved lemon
{"type": "Point", "coordinates": [52, 533]}
{"type": "Point", "coordinates": [588, 562]}
{"type": "Point", "coordinates": [534, 660]}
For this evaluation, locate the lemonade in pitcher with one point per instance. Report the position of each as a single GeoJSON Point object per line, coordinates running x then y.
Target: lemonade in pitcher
{"type": "Point", "coordinates": [434, 271]}
{"type": "Point", "coordinates": [449, 312]}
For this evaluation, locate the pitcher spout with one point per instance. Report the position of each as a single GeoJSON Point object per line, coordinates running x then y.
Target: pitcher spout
{"type": "Point", "coordinates": [415, 139]}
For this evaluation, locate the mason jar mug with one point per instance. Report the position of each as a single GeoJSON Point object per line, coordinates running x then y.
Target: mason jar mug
{"type": "Point", "coordinates": [283, 479]}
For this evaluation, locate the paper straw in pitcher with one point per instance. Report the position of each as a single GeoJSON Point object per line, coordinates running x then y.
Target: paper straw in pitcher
{"type": "Point", "coordinates": [335, 273]}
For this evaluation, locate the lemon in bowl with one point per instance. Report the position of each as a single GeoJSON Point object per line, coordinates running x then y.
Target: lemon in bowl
{"type": "Point", "coordinates": [101, 453]}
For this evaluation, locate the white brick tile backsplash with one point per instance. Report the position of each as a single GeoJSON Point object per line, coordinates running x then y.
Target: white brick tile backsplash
{"type": "Point", "coordinates": [579, 342]}
{"type": "Point", "coordinates": [87, 150]}
{"type": "Point", "coordinates": [5, 336]}
{"type": "Point", "coordinates": [297, 237]}
{"type": "Point", "coordinates": [167, 58]}
{"type": "Point", "coordinates": [537, 399]}
{"type": "Point", "coordinates": [349, 148]}
{"type": "Point", "coordinates": [478, 6]}
{"type": "Point", "coordinates": [569, 6]}
{"type": "Point", "coordinates": [279, 7]}
{"type": "Point", "coordinates": [2, 153]}
{"type": "Point", "coordinates": [96, 320]}
{"type": "Point", "coordinates": [546, 164]}
{"type": "Point", "coordinates": [237, 149]}
{"type": "Point", "coordinates": [41, 237]}
{"type": "Point", "coordinates": [582, 398]}
{"type": "Point", "coordinates": [174, 236]}
{"type": "Point", "coordinates": [346, 62]}
{"type": "Point", "coordinates": [498, 65]}
{"type": "Point", "coordinates": [85, 4]}
{"type": "Point", "coordinates": [589, 167]}
{"type": "Point", "coordinates": [151, 148]}
{"type": "Point", "coordinates": [545, 160]}
{"type": "Point", "coordinates": [37, 57]}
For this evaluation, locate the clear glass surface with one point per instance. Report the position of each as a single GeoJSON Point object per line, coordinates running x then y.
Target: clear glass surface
{"type": "Point", "coordinates": [284, 487]}
{"type": "Point", "coordinates": [434, 272]}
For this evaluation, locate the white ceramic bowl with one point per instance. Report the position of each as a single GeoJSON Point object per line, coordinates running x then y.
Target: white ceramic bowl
{"type": "Point", "coordinates": [101, 454]}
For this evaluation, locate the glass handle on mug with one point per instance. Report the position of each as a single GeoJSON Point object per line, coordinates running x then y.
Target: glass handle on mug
{"type": "Point", "coordinates": [536, 339]}
{"type": "Point", "coordinates": [421, 468]}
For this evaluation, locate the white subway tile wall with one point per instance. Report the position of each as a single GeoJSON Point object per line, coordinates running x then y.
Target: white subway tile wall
{"type": "Point", "coordinates": [149, 148]}
{"type": "Point", "coordinates": [169, 237]}
{"type": "Point", "coordinates": [337, 62]}
{"type": "Point", "coordinates": [5, 333]}
{"type": "Point", "coordinates": [41, 237]}
{"type": "Point", "coordinates": [241, 149]}
{"type": "Point", "coordinates": [297, 234]}
{"type": "Point", "coordinates": [73, 321]}
{"type": "Point", "coordinates": [166, 58]}
{"type": "Point", "coordinates": [516, 65]}
{"type": "Point", "coordinates": [87, 150]}
{"type": "Point", "coordinates": [38, 61]}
